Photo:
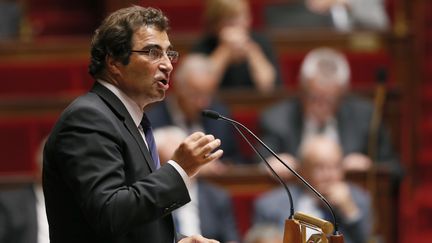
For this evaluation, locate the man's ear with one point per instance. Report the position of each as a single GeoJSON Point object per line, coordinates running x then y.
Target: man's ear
{"type": "Point", "coordinates": [112, 65]}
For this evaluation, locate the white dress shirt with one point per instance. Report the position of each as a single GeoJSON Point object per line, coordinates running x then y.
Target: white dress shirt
{"type": "Point", "coordinates": [187, 217]}
{"type": "Point", "coordinates": [42, 221]}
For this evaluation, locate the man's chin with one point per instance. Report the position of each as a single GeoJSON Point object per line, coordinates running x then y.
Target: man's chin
{"type": "Point", "coordinates": [161, 96]}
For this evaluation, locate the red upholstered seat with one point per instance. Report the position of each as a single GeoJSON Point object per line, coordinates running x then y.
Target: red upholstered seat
{"type": "Point", "coordinates": [423, 201]}
{"type": "Point", "coordinates": [250, 120]}
{"type": "Point", "coordinates": [43, 78]}
{"type": "Point", "coordinates": [20, 140]}
{"type": "Point", "coordinates": [243, 210]}
{"type": "Point", "coordinates": [186, 15]}
{"type": "Point", "coordinates": [62, 17]}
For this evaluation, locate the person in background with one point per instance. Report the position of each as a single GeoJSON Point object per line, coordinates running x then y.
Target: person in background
{"type": "Point", "coordinates": [324, 107]}
{"type": "Point", "coordinates": [321, 165]}
{"type": "Point", "coordinates": [10, 19]}
{"type": "Point", "coordinates": [194, 91]}
{"type": "Point", "coordinates": [102, 178]}
{"type": "Point", "coordinates": [264, 233]}
{"type": "Point", "coordinates": [341, 15]}
{"type": "Point", "coordinates": [209, 213]}
{"type": "Point", "coordinates": [240, 57]}
{"type": "Point", "coordinates": [22, 210]}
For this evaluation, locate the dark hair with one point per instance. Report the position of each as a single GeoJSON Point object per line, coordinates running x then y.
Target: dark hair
{"type": "Point", "coordinates": [114, 35]}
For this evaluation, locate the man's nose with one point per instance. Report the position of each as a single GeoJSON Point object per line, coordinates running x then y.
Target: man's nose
{"type": "Point", "coordinates": [165, 64]}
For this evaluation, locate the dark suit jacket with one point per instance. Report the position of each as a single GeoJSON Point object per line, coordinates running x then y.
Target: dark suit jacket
{"type": "Point", "coordinates": [216, 213]}
{"type": "Point", "coordinates": [273, 207]}
{"type": "Point", "coordinates": [160, 116]}
{"type": "Point", "coordinates": [282, 126]}
{"type": "Point", "coordinates": [99, 180]}
{"type": "Point", "coordinates": [18, 217]}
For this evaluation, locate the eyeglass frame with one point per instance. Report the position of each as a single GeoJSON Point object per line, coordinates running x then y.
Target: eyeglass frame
{"type": "Point", "coordinates": [156, 54]}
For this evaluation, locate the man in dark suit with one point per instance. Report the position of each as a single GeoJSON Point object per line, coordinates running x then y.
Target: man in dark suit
{"type": "Point", "coordinates": [216, 213]}
{"type": "Point", "coordinates": [323, 107]}
{"type": "Point", "coordinates": [18, 223]}
{"type": "Point", "coordinates": [102, 178]}
{"type": "Point", "coordinates": [22, 210]}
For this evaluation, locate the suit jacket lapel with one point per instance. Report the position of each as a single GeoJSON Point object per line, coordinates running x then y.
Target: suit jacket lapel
{"type": "Point", "coordinates": [121, 111]}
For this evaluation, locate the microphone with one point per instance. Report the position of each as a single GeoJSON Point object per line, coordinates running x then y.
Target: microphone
{"type": "Point", "coordinates": [216, 116]}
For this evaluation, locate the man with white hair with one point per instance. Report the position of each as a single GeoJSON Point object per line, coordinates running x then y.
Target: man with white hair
{"type": "Point", "coordinates": [323, 107]}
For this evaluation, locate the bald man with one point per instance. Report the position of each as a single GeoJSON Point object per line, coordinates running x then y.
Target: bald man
{"type": "Point", "coordinates": [321, 166]}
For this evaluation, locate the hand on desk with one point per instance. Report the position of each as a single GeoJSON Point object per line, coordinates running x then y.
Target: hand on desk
{"type": "Point", "coordinates": [197, 239]}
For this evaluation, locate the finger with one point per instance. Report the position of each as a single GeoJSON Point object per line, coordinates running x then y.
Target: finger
{"type": "Point", "coordinates": [202, 141]}
{"type": "Point", "coordinates": [194, 137]}
{"type": "Point", "coordinates": [214, 156]}
{"type": "Point", "coordinates": [209, 147]}
{"type": "Point", "coordinates": [201, 239]}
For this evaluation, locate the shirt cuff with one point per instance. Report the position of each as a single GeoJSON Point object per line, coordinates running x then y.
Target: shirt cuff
{"type": "Point", "coordinates": [182, 173]}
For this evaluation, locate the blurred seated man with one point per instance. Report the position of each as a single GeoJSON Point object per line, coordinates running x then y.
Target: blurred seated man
{"type": "Point", "coordinates": [342, 15]}
{"type": "Point", "coordinates": [210, 211]}
{"type": "Point", "coordinates": [193, 91]}
{"type": "Point", "coordinates": [324, 107]}
{"type": "Point", "coordinates": [264, 233]}
{"type": "Point", "coordinates": [321, 166]}
{"type": "Point", "coordinates": [10, 19]}
{"type": "Point", "coordinates": [22, 210]}
{"type": "Point", "coordinates": [241, 58]}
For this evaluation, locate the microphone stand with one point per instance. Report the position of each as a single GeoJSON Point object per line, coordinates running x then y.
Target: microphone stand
{"type": "Point", "coordinates": [379, 99]}
{"type": "Point", "coordinates": [290, 225]}
{"type": "Point", "coordinates": [271, 169]}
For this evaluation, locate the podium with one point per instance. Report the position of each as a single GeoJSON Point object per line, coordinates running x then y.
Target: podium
{"type": "Point", "coordinates": [295, 230]}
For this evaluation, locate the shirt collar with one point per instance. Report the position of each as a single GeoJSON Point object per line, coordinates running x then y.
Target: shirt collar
{"type": "Point", "coordinates": [131, 106]}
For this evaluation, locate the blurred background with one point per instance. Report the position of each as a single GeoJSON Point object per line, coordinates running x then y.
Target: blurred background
{"type": "Point", "coordinates": [44, 54]}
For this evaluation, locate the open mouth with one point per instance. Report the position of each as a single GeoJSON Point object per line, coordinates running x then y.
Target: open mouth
{"type": "Point", "coordinates": [164, 81]}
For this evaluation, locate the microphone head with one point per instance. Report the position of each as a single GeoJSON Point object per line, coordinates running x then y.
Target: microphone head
{"type": "Point", "coordinates": [211, 114]}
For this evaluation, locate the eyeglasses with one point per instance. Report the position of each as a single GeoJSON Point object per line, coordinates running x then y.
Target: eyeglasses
{"type": "Point", "coordinates": [156, 54]}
